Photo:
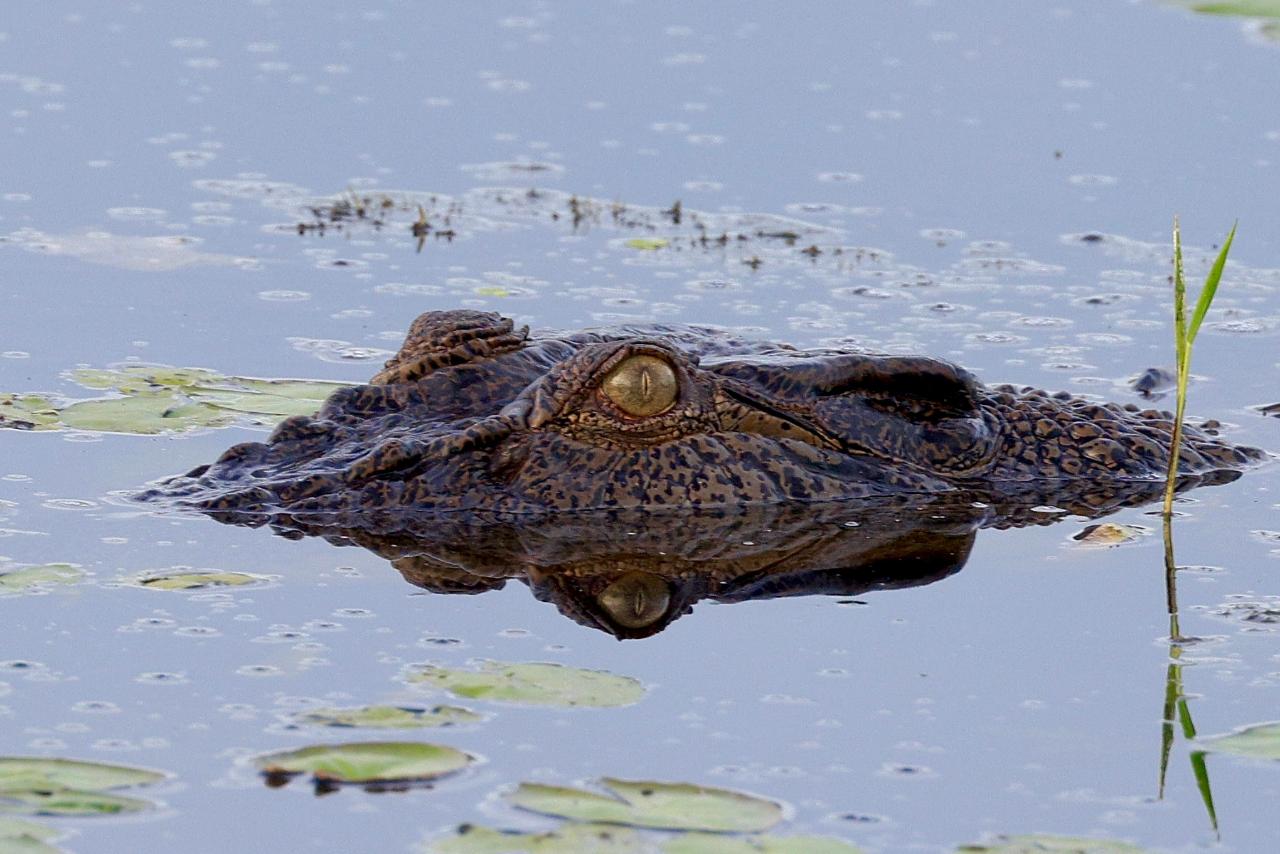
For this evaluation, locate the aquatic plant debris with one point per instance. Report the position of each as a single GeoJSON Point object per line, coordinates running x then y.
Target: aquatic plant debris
{"type": "Point", "coordinates": [153, 399]}
{"type": "Point", "coordinates": [1040, 843]}
{"type": "Point", "coordinates": [27, 837]}
{"type": "Point", "coordinates": [197, 580]}
{"type": "Point", "coordinates": [640, 803]}
{"type": "Point", "coordinates": [64, 787]}
{"type": "Point", "coordinates": [538, 683]}
{"type": "Point", "coordinates": [1242, 8]}
{"type": "Point", "coordinates": [1260, 741]}
{"type": "Point", "coordinates": [366, 763]}
{"type": "Point", "coordinates": [387, 717]}
{"type": "Point", "coordinates": [1109, 535]}
{"type": "Point", "coordinates": [15, 578]}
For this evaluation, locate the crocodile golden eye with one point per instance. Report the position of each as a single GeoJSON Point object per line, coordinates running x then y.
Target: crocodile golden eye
{"type": "Point", "coordinates": [642, 386]}
{"type": "Point", "coordinates": [635, 600]}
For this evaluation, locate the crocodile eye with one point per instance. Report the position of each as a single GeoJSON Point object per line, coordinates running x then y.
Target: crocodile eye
{"type": "Point", "coordinates": [642, 386]}
{"type": "Point", "coordinates": [635, 600]}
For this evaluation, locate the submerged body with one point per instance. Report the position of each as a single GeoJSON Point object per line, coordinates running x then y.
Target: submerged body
{"type": "Point", "coordinates": [475, 415]}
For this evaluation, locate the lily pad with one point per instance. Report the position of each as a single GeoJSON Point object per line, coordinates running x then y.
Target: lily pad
{"type": "Point", "coordinates": [570, 839]}
{"type": "Point", "coordinates": [28, 412]}
{"type": "Point", "coordinates": [198, 580]}
{"type": "Point", "coordinates": [648, 244]}
{"type": "Point", "coordinates": [26, 837]}
{"type": "Point", "coordinates": [366, 762]}
{"type": "Point", "coordinates": [1261, 741]}
{"type": "Point", "coordinates": [1039, 843]}
{"type": "Point", "coordinates": [144, 414]}
{"type": "Point", "coordinates": [17, 772]}
{"type": "Point", "coordinates": [1243, 8]}
{"type": "Point", "coordinates": [28, 578]}
{"type": "Point", "coordinates": [152, 399]}
{"type": "Point", "coordinates": [639, 803]}
{"type": "Point", "coordinates": [537, 683]}
{"type": "Point", "coordinates": [388, 717]}
{"type": "Point", "coordinates": [706, 843]}
{"type": "Point", "coordinates": [33, 786]}
{"type": "Point", "coordinates": [134, 378]}
{"type": "Point", "coordinates": [69, 802]}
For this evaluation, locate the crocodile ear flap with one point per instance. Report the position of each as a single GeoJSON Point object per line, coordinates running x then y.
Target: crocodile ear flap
{"type": "Point", "coordinates": [915, 387]}
{"type": "Point", "coordinates": [912, 386]}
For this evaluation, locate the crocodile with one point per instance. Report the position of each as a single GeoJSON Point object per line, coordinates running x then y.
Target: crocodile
{"type": "Point", "coordinates": [476, 415]}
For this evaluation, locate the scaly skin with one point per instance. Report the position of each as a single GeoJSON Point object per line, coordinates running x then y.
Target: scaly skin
{"type": "Point", "coordinates": [475, 415]}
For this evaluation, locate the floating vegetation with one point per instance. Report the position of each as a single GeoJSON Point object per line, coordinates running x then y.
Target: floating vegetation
{"type": "Point", "coordinates": [388, 717]}
{"type": "Point", "coordinates": [152, 399]}
{"type": "Point", "coordinates": [376, 765]}
{"type": "Point", "coordinates": [570, 839]}
{"type": "Point", "coordinates": [538, 683]}
{"type": "Point", "coordinates": [648, 243]}
{"type": "Point", "coordinates": [425, 215]}
{"type": "Point", "coordinates": [63, 787]}
{"type": "Point", "coordinates": [1238, 8]}
{"type": "Point", "coordinates": [198, 580]}
{"type": "Point", "coordinates": [15, 578]}
{"type": "Point", "coordinates": [669, 806]}
{"type": "Point", "coordinates": [705, 843]}
{"type": "Point", "coordinates": [1260, 741]}
{"type": "Point", "coordinates": [573, 838]}
{"type": "Point", "coordinates": [1041, 843]}
{"type": "Point", "coordinates": [1109, 535]}
{"type": "Point", "coordinates": [26, 837]}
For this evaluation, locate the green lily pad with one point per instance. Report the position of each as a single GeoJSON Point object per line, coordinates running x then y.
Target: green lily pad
{"type": "Point", "coordinates": [28, 412]}
{"type": "Point", "coordinates": [145, 414]}
{"type": "Point", "coordinates": [1243, 8]}
{"type": "Point", "coordinates": [134, 378]}
{"type": "Point", "coordinates": [26, 837]}
{"type": "Point", "coordinates": [570, 839]}
{"type": "Point", "coordinates": [30, 578]}
{"type": "Point", "coordinates": [64, 787]}
{"type": "Point", "coordinates": [707, 843]}
{"type": "Point", "coordinates": [69, 802]}
{"type": "Point", "coordinates": [366, 762]}
{"type": "Point", "coordinates": [160, 399]}
{"type": "Point", "coordinates": [638, 803]}
{"type": "Point", "coordinates": [1261, 741]}
{"type": "Point", "coordinates": [648, 244]}
{"type": "Point", "coordinates": [537, 683]}
{"type": "Point", "coordinates": [388, 717]}
{"type": "Point", "coordinates": [18, 773]}
{"type": "Point", "coordinates": [198, 580]}
{"type": "Point", "coordinates": [1039, 843]}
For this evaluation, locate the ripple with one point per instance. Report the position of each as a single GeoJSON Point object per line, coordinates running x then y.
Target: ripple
{"type": "Point", "coordinates": [284, 296]}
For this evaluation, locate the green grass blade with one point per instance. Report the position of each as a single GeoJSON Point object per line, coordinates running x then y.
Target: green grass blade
{"type": "Point", "coordinates": [1201, 772]}
{"type": "Point", "coordinates": [1179, 296]}
{"type": "Point", "coordinates": [1210, 286]}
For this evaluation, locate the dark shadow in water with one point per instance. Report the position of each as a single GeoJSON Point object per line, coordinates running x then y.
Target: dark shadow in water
{"type": "Point", "coordinates": [632, 574]}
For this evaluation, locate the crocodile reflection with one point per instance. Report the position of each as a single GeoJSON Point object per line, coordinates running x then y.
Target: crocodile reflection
{"type": "Point", "coordinates": [632, 574]}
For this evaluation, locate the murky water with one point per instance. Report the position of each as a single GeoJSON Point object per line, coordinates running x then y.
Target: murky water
{"type": "Point", "coordinates": [990, 183]}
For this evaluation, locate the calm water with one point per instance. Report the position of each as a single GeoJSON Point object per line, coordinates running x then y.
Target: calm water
{"type": "Point", "coordinates": [157, 160]}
